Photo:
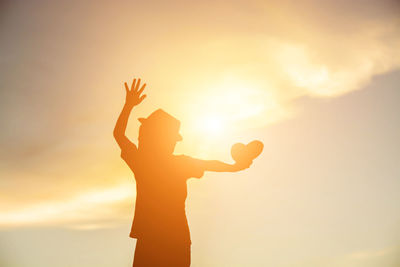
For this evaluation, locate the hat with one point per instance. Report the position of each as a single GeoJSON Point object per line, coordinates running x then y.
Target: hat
{"type": "Point", "coordinates": [164, 120]}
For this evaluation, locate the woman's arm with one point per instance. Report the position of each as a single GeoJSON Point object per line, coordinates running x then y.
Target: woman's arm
{"type": "Point", "coordinates": [219, 166]}
{"type": "Point", "coordinates": [120, 127]}
{"type": "Point", "coordinates": [133, 98]}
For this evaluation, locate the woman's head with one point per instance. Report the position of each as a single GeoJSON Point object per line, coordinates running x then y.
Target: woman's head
{"type": "Point", "coordinates": [159, 133]}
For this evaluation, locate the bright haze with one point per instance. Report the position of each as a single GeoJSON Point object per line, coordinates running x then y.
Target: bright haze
{"type": "Point", "coordinates": [316, 81]}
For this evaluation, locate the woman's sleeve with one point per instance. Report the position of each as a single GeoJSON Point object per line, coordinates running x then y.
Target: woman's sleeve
{"type": "Point", "coordinates": [192, 167]}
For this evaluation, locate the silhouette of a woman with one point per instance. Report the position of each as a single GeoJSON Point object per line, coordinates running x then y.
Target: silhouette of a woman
{"type": "Point", "coordinates": [160, 225]}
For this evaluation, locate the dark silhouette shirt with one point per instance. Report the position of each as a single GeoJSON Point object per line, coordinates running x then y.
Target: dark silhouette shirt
{"type": "Point", "coordinates": [161, 193]}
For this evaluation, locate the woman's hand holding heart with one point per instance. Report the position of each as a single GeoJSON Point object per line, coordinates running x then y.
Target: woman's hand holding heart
{"type": "Point", "coordinates": [245, 154]}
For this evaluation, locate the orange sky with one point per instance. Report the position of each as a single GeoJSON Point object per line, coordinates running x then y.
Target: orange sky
{"type": "Point", "coordinates": [316, 82]}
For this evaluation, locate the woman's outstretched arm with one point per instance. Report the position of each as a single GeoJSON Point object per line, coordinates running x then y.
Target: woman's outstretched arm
{"type": "Point", "coordinates": [219, 166]}
{"type": "Point", "coordinates": [133, 98]}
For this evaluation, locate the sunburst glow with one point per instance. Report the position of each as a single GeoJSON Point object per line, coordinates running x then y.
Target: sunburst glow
{"type": "Point", "coordinates": [212, 125]}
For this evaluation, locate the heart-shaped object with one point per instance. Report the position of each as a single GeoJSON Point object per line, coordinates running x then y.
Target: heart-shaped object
{"type": "Point", "coordinates": [243, 153]}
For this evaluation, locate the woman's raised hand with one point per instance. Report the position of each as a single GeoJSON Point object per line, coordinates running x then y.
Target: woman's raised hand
{"type": "Point", "coordinates": [133, 95]}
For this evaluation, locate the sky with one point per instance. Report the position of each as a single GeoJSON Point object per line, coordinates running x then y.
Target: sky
{"type": "Point", "coordinates": [316, 82]}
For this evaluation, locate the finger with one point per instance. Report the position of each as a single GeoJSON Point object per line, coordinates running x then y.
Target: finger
{"type": "Point", "coordinates": [142, 98]}
{"type": "Point", "coordinates": [133, 84]}
{"type": "Point", "coordinates": [126, 88]}
{"type": "Point", "coordinates": [141, 89]}
{"type": "Point", "coordinates": [137, 85]}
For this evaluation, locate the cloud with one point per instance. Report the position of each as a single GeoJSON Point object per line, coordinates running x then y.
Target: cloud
{"type": "Point", "coordinates": [284, 51]}
{"type": "Point", "coordinates": [89, 210]}
{"type": "Point", "coordinates": [386, 256]}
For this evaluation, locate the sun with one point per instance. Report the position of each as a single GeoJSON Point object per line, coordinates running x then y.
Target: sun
{"type": "Point", "coordinates": [211, 125]}
{"type": "Point", "coordinates": [222, 112]}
